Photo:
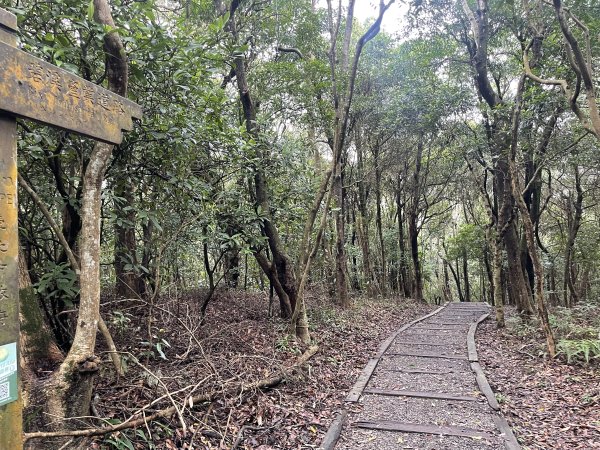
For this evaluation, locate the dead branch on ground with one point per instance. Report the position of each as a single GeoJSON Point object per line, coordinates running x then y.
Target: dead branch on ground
{"type": "Point", "coordinates": [167, 412]}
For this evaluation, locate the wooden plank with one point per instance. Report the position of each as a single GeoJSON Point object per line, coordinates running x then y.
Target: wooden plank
{"type": "Point", "coordinates": [450, 330]}
{"type": "Point", "coordinates": [334, 431]}
{"type": "Point", "coordinates": [390, 425]}
{"type": "Point", "coordinates": [510, 441]}
{"type": "Point", "coordinates": [484, 386]}
{"type": "Point", "coordinates": [386, 344]}
{"type": "Point", "coordinates": [420, 394]}
{"type": "Point", "coordinates": [421, 371]}
{"type": "Point", "coordinates": [362, 381]}
{"type": "Point", "coordinates": [36, 90]}
{"type": "Point", "coordinates": [8, 20]}
{"type": "Point", "coordinates": [429, 355]}
{"type": "Point", "coordinates": [466, 310]}
{"type": "Point", "coordinates": [11, 406]}
{"type": "Point", "coordinates": [467, 304]}
{"type": "Point", "coordinates": [440, 331]}
{"type": "Point", "coordinates": [455, 315]}
{"type": "Point", "coordinates": [433, 344]}
{"type": "Point", "coordinates": [449, 324]}
{"type": "Point", "coordinates": [471, 345]}
{"type": "Point", "coordinates": [419, 334]}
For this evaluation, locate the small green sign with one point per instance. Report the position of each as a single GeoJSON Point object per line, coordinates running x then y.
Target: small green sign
{"type": "Point", "coordinates": [8, 373]}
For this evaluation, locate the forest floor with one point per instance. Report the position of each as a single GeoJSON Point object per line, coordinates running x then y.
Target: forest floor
{"type": "Point", "coordinates": [239, 343]}
{"type": "Point", "coordinates": [548, 403]}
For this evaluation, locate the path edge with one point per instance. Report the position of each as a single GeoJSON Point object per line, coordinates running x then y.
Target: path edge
{"type": "Point", "coordinates": [510, 441]}
{"type": "Point", "coordinates": [335, 429]}
{"type": "Point", "coordinates": [367, 373]}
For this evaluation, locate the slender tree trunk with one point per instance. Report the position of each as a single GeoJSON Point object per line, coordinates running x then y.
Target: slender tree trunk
{"type": "Point", "coordinates": [447, 290]}
{"type": "Point", "coordinates": [574, 216]}
{"type": "Point", "coordinates": [413, 230]}
{"type": "Point", "coordinates": [342, 105]}
{"type": "Point", "coordinates": [269, 269]}
{"type": "Point", "coordinates": [72, 383]}
{"type": "Point", "coordinates": [355, 279]}
{"type": "Point", "coordinates": [528, 225]}
{"type": "Point", "coordinates": [128, 283]}
{"type": "Point", "coordinates": [341, 267]}
{"type": "Point", "coordinates": [490, 275]}
{"type": "Point", "coordinates": [496, 245]}
{"type": "Point", "coordinates": [378, 220]}
{"type": "Point", "coordinates": [406, 284]}
{"type": "Point", "coordinates": [281, 261]}
{"type": "Point", "coordinates": [456, 277]}
{"type": "Point", "coordinates": [231, 261]}
{"type": "Point", "coordinates": [148, 278]}
{"type": "Point", "coordinates": [363, 219]}
{"type": "Point", "coordinates": [466, 277]}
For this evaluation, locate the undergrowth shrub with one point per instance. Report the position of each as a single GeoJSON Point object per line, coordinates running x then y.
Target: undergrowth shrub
{"type": "Point", "coordinates": [577, 331]}
{"type": "Point", "coordinates": [588, 349]}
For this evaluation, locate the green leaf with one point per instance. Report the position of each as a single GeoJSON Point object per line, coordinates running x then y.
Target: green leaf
{"type": "Point", "coordinates": [90, 11]}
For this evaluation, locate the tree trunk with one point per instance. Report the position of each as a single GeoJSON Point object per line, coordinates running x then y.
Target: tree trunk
{"type": "Point", "coordinates": [466, 277]}
{"type": "Point", "coordinates": [528, 225]}
{"type": "Point", "coordinates": [499, 140]}
{"type": "Point", "coordinates": [456, 277]}
{"type": "Point", "coordinates": [72, 383]}
{"type": "Point", "coordinates": [498, 290]}
{"type": "Point", "coordinates": [363, 219]}
{"type": "Point", "coordinates": [489, 274]}
{"type": "Point", "coordinates": [406, 284]}
{"type": "Point", "coordinates": [355, 283]}
{"type": "Point", "coordinates": [413, 230]}
{"type": "Point", "coordinates": [342, 105]}
{"type": "Point", "coordinates": [128, 283]}
{"type": "Point", "coordinates": [341, 267]}
{"type": "Point", "coordinates": [378, 220]}
{"type": "Point", "coordinates": [447, 290]}
{"type": "Point", "coordinates": [281, 261]}
{"type": "Point", "coordinates": [574, 216]}
{"type": "Point", "coordinates": [285, 307]}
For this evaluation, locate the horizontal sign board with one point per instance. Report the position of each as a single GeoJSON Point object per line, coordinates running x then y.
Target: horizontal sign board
{"type": "Point", "coordinates": [33, 89]}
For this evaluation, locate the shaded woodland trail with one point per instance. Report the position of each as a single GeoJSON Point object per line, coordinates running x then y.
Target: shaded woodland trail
{"type": "Point", "coordinates": [425, 389]}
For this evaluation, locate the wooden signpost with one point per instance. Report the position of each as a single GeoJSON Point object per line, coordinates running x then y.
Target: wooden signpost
{"type": "Point", "coordinates": [33, 89]}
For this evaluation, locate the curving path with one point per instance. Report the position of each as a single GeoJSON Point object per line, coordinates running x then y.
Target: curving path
{"type": "Point", "coordinates": [425, 390]}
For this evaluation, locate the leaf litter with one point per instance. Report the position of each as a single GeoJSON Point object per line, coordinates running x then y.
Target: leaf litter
{"type": "Point", "coordinates": [239, 343]}
{"type": "Point", "coordinates": [548, 403]}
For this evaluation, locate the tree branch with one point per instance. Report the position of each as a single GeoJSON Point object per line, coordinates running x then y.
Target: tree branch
{"type": "Point", "coordinates": [167, 412]}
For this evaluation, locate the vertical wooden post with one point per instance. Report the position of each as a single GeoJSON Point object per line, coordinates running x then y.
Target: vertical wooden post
{"type": "Point", "coordinates": [11, 422]}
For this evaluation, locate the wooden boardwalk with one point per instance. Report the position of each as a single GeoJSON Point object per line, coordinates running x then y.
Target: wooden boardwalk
{"type": "Point", "coordinates": [424, 389]}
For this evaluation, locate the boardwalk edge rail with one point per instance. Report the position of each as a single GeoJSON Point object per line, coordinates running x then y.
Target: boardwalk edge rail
{"type": "Point", "coordinates": [510, 441]}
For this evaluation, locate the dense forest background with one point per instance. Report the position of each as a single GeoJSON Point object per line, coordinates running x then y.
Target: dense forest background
{"type": "Point", "coordinates": [291, 146]}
